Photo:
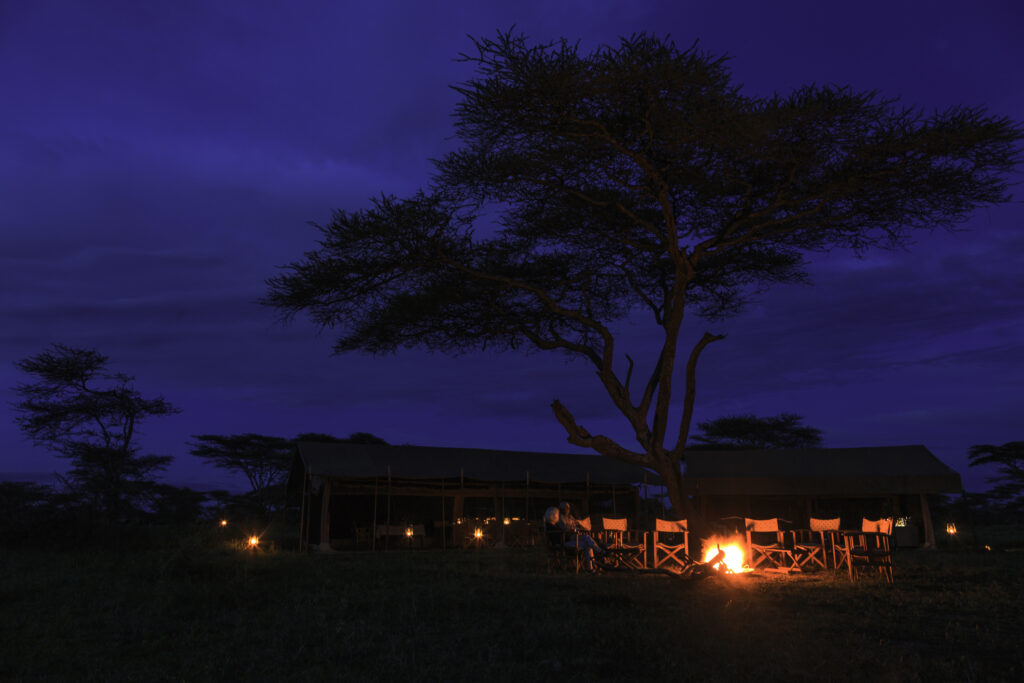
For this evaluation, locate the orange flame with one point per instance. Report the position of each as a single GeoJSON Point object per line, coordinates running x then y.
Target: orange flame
{"type": "Point", "coordinates": [735, 553]}
{"type": "Point", "coordinates": [478, 533]}
{"type": "Point", "coordinates": [254, 541]}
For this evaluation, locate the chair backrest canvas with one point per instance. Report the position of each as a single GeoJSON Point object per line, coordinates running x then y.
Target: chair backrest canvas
{"type": "Point", "coordinates": [613, 524]}
{"type": "Point", "coordinates": [879, 526]}
{"type": "Point", "coordinates": [584, 523]}
{"type": "Point", "coordinates": [762, 525]}
{"type": "Point", "coordinates": [824, 524]}
{"type": "Point", "coordinates": [668, 526]}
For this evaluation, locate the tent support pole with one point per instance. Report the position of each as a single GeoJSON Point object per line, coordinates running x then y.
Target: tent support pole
{"type": "Point", "coordinates": [926, 516]}
{"type": "Point", "coordinates": [387, 521]}
{"type": "Point", "coordinates": [373, 529]}
{"type": "Point", "coordinates": [325, 517]}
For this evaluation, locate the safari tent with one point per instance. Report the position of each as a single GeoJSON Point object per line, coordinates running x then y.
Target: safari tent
{"type": "Point", "coordinates": [368, 495]}
{"type": "Point", "coordinates": [823, 482]}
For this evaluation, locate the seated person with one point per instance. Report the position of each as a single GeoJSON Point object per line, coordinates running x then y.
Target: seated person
{"type": "Point", "coordinates": [569, 523]}
{"type": "Point", "coordinates": [573, 538]}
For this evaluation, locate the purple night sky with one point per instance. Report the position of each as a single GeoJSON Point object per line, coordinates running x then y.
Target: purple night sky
{"type": "Point", "coordinates": [159, 160]}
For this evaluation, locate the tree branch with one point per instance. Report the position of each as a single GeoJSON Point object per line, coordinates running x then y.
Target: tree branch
{"type": "Point", "coordinates": [690, 393]}
{"type": "Point", "coordinates": [602, 444]}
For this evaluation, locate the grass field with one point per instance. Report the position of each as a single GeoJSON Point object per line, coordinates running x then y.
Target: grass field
{"type": "Point", "coordinates": [202, 612]}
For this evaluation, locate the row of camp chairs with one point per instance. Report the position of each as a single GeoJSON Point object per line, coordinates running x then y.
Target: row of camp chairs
{"type": "Point", "coordinates": [668, 544]}
{"type": "Point", "coordinates": [871, 547]}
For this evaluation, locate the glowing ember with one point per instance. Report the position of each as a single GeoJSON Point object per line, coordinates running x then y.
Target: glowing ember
{"type": "Point", "coordinates": [734, 551]}
{"type": "Point", "coordinates": [951, 528]}
{"type": "Point", "coordinates": [254, 541]}
{"type": "Point", "coordinates": [478, 533]}
{"type": "Point", "coordinates": [223, 522]}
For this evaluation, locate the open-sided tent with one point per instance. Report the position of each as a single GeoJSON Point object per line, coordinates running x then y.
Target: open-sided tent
{"type": "Point", "coordinates": [347, 487]}
{"type": "Point", "coordinates": [823, 482]}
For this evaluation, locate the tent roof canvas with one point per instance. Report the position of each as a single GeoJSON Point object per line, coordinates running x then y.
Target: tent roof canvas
{"type": "Point", "coordinates": [355, 461]}
{"type": "Point", "coordinates": [883, 470]}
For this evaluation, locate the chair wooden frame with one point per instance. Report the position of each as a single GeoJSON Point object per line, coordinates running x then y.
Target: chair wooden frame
{"type": "Point", "coordinates": [778, 554]}
{"type": "Point", "coordinates": [624, 548]}
{"type": "Point", "coordinates": [665, 545]}
{"type": "Point", "coordinates": [870, 547]}
{"type": "Point", "coordinates": [811, 545]}
{"type": "Point", "coordinates": [561, 556]}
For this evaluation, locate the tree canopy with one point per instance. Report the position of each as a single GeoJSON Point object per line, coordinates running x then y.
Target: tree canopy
{"type": "Point", "coordinates": [264, 460]}
{"type": "Point", "coordinates": [636, 180]}
{"type": "Point", "coordinates": [1009, 480]}
{"type": "Point", "coordinates": [734, 432]}
{"type": "Point", "coordinates": [90, 415]}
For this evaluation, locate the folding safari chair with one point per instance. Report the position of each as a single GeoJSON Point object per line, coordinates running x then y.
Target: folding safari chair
{"type": "Point", "coordinates": [811, 545]}
{"type": "Point", "coordinates": [775, 550]}
{"type": "Point", "coordinates": [561, 556]}
{"type": "Point", "coordinates": [668, 540]}
{"type": "Point", "coordinates": [871, 547]}
{"type": "Point", "coordinates": [624, 548]}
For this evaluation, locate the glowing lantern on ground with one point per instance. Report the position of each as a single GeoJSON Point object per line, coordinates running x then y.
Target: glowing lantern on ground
{"type": "Point", "coordinates": [478, 533]}
{"type": "Point", "coordinates": [254, 541]}
{"type": "Point", "coordinates": [223, 522]}
{"type": "Point", "coordinates": [507, 521]}
{"type": "Point", "coordinates": [951, 528]}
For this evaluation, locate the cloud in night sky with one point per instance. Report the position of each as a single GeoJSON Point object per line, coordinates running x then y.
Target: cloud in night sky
{"type": "Point", "coordinates": [159, 161]}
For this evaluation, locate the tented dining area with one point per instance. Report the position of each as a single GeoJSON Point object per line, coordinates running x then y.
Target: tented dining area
{"type": "Point", "coordinates": [376, 497]}
{"type": "Point", "coordinates": [773, 511]}
{"type": "Point", "coordinates": [796, 485]}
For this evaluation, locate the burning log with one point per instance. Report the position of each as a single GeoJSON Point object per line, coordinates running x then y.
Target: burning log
{"type": "Point", "coordinates": [718, 561]}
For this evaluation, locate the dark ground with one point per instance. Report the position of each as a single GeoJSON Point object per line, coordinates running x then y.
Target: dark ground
{"type": "Point", "coordinates": [200, 609]}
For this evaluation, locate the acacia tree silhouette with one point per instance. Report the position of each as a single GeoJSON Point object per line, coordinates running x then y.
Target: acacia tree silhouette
{"type": "Point", "coordinates": [89, 415]}
{"type": "Point", "coordinates": [1008, 483]}
{"type": "Point", "coordinates": [634, 180]}
{"type": "Point", "coordinates": [733, 432]}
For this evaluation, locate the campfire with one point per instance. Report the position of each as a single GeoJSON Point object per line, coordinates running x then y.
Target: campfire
{"type": "Point", "coordinates": [734, 550]}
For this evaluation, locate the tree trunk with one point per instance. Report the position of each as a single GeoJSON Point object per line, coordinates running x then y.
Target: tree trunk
{"type": "Point", "coordinates": [682, 507]}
